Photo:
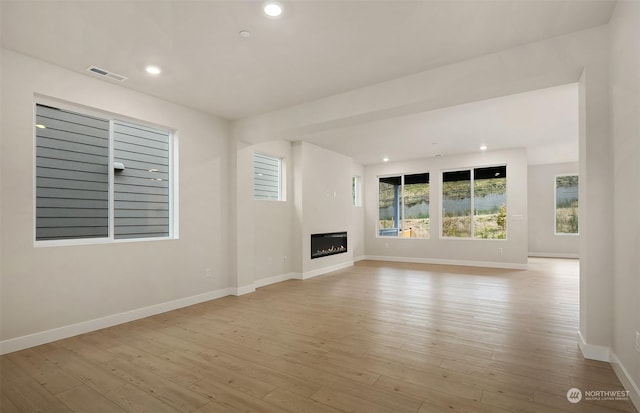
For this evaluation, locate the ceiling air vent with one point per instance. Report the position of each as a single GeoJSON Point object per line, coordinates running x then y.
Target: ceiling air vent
{"type": "Point", "coordinates": [106, 73]}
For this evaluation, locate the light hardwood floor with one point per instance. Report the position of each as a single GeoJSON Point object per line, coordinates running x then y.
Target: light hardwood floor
{"type": "Point", "coordinates": [377, 337]}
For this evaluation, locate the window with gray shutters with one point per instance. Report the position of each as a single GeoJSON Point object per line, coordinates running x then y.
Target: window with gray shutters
{"type": "Point", "coordinates": [141, 189]}
{"type": "Point", "coordinates": [75, 170]}
{"type": "Point", "coordinates": [72, 175]}
{"type": "Point", "coordinates": [267, 171]}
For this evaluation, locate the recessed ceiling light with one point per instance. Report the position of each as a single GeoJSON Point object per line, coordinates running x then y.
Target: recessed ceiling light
{"type": "Point", "coordinates": [153, 70]}
{"type": "Point", "coordinates": [385, 159]}
{"type": "Point", "coordinates": [273, 9]}
{"type": "Point", "coordinates": [245, 33]}
{"type": "Point", "coordinates": [483, 148]}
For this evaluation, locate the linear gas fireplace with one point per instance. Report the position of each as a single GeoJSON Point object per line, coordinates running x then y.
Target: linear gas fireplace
{"type": "Point", "coordinates": [331, 243]}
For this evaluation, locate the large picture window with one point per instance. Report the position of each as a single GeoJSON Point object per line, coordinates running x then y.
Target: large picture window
{"type": "Point", "coordinates": [403, 206]}
{"type": "Point", "coordinates": [567, 204]}
{"type": "Point", "coordinates": [474, 203]}
{"type": "Point", "coordinates": [100, 178]}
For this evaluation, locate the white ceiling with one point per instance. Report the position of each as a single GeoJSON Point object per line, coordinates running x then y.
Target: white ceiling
{"type": "Point", "coordinates": [544, 121]}
{"type": "Point", "coordinates": [316, 49]}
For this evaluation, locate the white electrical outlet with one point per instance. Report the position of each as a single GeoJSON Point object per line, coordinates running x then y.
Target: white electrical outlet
{"type": "Point", "coordinates": [500, 250]}
{"type": "Point", "coordinates": [638, 341]}
{"type": "Point", "coordinates": [208, 273]}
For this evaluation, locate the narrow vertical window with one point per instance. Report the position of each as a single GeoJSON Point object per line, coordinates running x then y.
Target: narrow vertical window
{"type": "Point", "coordinates": [389, 194]}
{"type": "Point", "coordinates": [356, 191]}
{"type": "Point", "coordinates": [567, 204]}
{"type": "Point", "coordinates": [490, 202]}
{"type": "Point", "coordinates": [267, 177]}
{"type": "Point", "coordinates": [456, 204]}
{"type": "Point", "coordinates": [415, 212]}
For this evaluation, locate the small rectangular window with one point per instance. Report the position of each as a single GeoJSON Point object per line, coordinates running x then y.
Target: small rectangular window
{"type": "Point", "coordinates": [77, 194]}
{"type": "Point", "coordinates": [267, 177]}
{"type": "Point", "coordinates": [403, 206]}
{"type": "Point", "coordinates": [356, 191]}
{"type": "Point", "coordinates": [566, 196]}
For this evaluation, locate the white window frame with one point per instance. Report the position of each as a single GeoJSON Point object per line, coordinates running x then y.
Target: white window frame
{"type": "Point", "coordinates": [111, 117]}
{"type": "Point", "coordinates": [281, 177]}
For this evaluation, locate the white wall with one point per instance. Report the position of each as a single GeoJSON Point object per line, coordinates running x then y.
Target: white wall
{"type": "Point", "coordinates": [625, 101]}
{"type": "Point", "coordinates": [357, 240]}
{"type": "Point", "coordinates": [45, 288]}
{"type": "Point", "coordinates": [513, 251]}
{"type": "Point", "coordinates": [596, 193]}
{"type": "Point", "coordinates": [265, 234]}
{"type": "Point", "coordinates": [543, 241]}
{"type": "Point", "coordinates": [326, 203]}
{"type": "Point", "coordinates": [273, 237]}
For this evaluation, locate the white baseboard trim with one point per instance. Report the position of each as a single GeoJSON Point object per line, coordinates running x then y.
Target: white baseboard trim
{"type": "Point", "coordinates": [487, 264]}
{"type": "Point", "coordinates": [593, 351]}
{"type": "Point", "coordinates": [276, 279]}
{"type": "Point", "coordinates": [359, 258]}
{"type": "Point", "coordinates": [553, 255]}
{"type": "Point", "coordinates": [331, 268]}
{"type": "Point", "coordinates": [245, 289]}
{"type": "Point", "coordinates": [626, 380]}
{"type": "Point", "coordinates": [43, 337]}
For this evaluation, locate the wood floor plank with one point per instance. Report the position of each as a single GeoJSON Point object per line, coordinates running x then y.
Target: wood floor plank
{"type": "Point", "coordinates": [420, 391]}
{"type": "Point", "coordinates": [440, 403]}
{"type": "Point", "coordinates": [294, 403]}
{"type": "Point", "coordinates": [85, 399]}
{"type": "Point", "coordinates": [348, 403]}
{"type": "Point", "coordinates": [169, 392]}
{"type": "Point", "coordinates": [229, 398]}
{"type": "Point", "coordinates": [224, 377]}
{"type": "Point", "coordinates": [135, 400]}
{"type": "Point", "coordinates": [379, 396]}
{"type": "Point", "coordinates": [375, 337]}
{"type": "Point", "coordinates": [52, 378]}
{"type": "Point", "coordinates": [6, 405]}
{"type": "Point", "coordinates": [29, 396]}
{"type": "Point", "coordinates": [207, 363]}
{"type": "Point", "coordinates": [87, 372]}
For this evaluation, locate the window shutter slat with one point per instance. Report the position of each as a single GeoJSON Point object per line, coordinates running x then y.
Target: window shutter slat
{"type": "Point", "coordinates": [266, 177]}
{"type": "Point", "coordinates": [141, 190]}
{"type": "Point", "coordinates": [72, 158]}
